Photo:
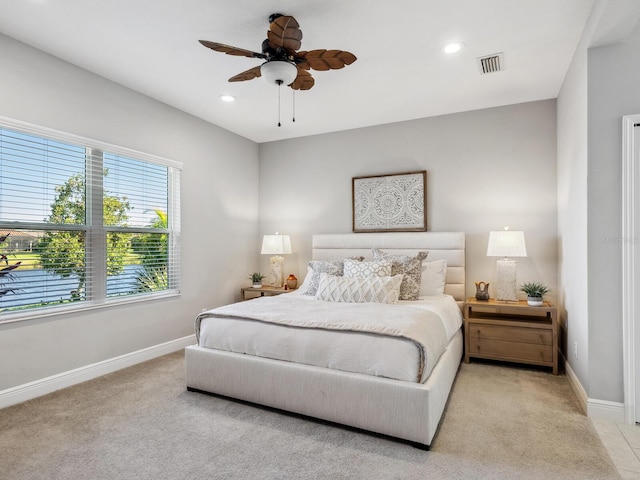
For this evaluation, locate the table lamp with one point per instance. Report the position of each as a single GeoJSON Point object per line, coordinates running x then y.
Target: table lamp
{"type": "Point", "coordinates": [276, 245]}
{"type": "Point", "coordinates": [506, 243]}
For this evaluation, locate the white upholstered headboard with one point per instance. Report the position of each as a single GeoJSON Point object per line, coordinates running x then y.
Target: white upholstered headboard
{"type": "Point", "coordinates": [440, 245]}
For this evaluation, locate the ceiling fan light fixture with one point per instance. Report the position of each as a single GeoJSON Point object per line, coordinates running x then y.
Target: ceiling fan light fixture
{"type": "Point", "coordinates": [279, 72]}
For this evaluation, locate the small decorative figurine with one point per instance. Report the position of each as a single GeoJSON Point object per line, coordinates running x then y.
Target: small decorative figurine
{"type": "Point", "coordinates": [292, 282]}
{"type": "Point", "coordinates": [482, 291]}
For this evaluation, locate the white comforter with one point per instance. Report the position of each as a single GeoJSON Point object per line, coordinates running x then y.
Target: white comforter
{"type": "Point", "coordinates": [395, 341]}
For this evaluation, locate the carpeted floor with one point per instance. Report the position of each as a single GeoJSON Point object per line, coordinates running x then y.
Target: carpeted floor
{"type": "Point", "coordinates": [140, 423]}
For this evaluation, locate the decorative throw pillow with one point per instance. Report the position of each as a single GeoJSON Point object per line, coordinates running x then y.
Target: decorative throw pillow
{"type": "Point", "coordinates": [378, 268]}
{"type": "Point", "coordinates": [302, 289]}
{"type": "Point", "coordinates": [333, 267]}
{"type": "Point", "coordinates": [411, 267]}
{"type": "Point", "coordinates": [358, 289]}
{"type": "Point", "coordinates": [322, 266]}
{"type": "Point", "coordinates": [434, 275]}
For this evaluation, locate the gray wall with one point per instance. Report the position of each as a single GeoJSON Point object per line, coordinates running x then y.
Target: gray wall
{"type": "Point", "coordinates": [613, 91]}
{"type": "Point", "coordinates": [485, 169]}
{"type": "Point", "coordinates": [599, 88]}
{"type": "Point", "coordinates": [572, 214]}
{"type": "Point", "coordinates": [219, 211]}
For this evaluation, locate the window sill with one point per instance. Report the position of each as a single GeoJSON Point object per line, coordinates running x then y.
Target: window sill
{"type": "Point", "coordinates": [81, 307]}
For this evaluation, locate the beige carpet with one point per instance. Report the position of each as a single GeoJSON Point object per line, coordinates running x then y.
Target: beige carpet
{"type": "Point", "coordinates": [141, 423]}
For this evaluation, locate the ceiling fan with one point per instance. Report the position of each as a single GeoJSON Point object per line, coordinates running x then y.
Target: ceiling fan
{"type": "Point", "coordinates": [285, 65]}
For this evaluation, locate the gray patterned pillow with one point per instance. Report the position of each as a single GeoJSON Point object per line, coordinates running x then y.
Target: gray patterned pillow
{"type": "Point", "coordinates": [358, 289]}
{"type": "Point", "coordinates": [321, 266]}
{"type": "Point", "coordinates": [411, 267]}
{"type": "Point", "coordinates": [377, 268]}
{"type": "Point", "coordinates": [334, 267]}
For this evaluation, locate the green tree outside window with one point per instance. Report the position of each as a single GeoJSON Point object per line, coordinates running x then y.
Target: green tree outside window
{"type": "Point", "coordinates": [63, 252]}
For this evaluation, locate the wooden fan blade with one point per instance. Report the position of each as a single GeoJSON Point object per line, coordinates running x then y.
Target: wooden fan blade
{"type": "Point", "coordinates": [285, 32]}
{"type": "Point", "coordinates": [229, 50]}
{"type": "Point", "coordinates": [246, 75]}
{"type": "Point", "coordinates": [324, 59]}
{"type": "Point", "coordinates": [304, 80]}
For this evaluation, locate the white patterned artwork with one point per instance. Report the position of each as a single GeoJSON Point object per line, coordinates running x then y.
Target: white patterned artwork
{"type": "Point", "coordinates": [390, 203]}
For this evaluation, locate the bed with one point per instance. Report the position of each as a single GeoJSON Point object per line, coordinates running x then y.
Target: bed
{"type": "Point", "coordinates": [405, 403]}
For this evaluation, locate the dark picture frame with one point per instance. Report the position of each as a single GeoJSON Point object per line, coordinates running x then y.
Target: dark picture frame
{"type": "Point", "coordinates": [390, 203]}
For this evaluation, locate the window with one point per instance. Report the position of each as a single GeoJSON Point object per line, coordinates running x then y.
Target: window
{"type": "Point", "coordinates": [82, 223]}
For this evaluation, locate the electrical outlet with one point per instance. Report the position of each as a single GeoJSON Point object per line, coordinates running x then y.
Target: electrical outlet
{"type": "Point", "coordinates": [575, 350]}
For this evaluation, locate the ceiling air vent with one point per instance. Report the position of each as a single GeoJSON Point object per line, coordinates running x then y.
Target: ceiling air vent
{"type": "Point", "coordinates": [491, 63]}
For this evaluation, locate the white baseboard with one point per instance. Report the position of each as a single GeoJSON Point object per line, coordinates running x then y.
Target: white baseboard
{"type": "Point", "coordinates": [37, 388]}
{"type": "Point", "coordinates": [594, 409]}
{"type": "Point", "coordinates": [576, 386]}
{"type": "Point", "coordinates": [605, 410]}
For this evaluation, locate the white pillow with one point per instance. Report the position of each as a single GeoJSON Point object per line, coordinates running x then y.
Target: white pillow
{"type": "Point", "coordinates": [306, 282]}
{"type": "Point", "coordinates": [358, 289]}
{"type": "Point", "coordinates": [377, 268]}
{"type": "Point", "coordinates": [433, 278]}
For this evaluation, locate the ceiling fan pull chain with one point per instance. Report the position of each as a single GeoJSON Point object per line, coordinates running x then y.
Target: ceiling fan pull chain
{"type": "Point", "coordinates": [279, 82]}
{"type": "Point", "coordinates": [294, 106]}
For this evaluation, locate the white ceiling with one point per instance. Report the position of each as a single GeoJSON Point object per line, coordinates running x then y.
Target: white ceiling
{"type": "Point", "coordinates": [151, 46]}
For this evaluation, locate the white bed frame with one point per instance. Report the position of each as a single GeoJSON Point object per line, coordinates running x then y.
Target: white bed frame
{"type": "Point", "coordinates": [405, 410]}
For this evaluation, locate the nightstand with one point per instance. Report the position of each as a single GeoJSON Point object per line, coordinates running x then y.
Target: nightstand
{"type": "Point", "coordinates": [511, 332]}
{"type": "Point", "coordinates": [264, 291]}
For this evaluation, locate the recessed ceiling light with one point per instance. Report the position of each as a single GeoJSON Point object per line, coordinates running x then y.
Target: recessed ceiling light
{"type": "Point", "coordinates": [227, 98]}
{"type": "Point", "coordinates": [453, 47]}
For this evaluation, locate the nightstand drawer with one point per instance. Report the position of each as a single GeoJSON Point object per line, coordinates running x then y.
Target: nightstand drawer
{"type": "Point", "coordinates": [536, 336]}
{"type": "Point", "coordinates": [511, 332]}
{"type": "Point", "coordinates": [512, 351]}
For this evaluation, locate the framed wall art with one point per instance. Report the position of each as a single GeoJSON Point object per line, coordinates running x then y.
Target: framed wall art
{"type": "Point", "coordinates": [390, 203]}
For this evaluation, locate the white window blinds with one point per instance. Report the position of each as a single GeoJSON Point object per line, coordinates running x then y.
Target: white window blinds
{"type": "Point", "coordinates": [83, 223]}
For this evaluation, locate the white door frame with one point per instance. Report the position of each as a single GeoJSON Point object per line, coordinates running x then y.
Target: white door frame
{"type": "Point", "coordinates": [630, 271]}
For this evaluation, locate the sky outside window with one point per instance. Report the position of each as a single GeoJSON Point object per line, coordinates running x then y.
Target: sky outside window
{"type": "Point", "coordinates": [30, 169]}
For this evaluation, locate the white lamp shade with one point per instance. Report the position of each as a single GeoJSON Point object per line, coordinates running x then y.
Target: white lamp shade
{"type": "Point", "coordinates": [278, 72]}
{"type": "Point", "coordinates": [506, 243]}
{"type": "Point", "coordinates": [276, 245]}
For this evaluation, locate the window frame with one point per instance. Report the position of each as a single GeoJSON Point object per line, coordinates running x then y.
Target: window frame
{"type": "Point", "coordinates": [96, 232]}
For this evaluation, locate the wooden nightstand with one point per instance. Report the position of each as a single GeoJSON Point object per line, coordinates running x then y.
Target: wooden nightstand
{"type": "Point", "coordinates": [511, 331]}
{"type": "Point", "coordinates": [264, 291]}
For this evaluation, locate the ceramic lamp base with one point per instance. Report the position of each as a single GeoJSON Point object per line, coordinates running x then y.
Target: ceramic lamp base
{"type": "Point", "coordinates": [506, 280]}
{"type": "Point", "coordinates": [277, 270]}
